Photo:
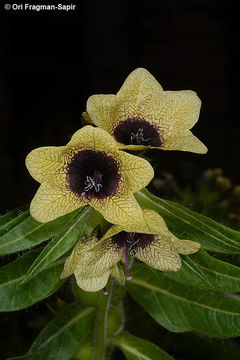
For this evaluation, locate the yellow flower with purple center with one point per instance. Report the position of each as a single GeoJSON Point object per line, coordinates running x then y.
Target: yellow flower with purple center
{"type": "Point", "coordinates": [151, 242]}
{"type": "Point", "coordinates": [90, 169]}
{"type": "Point", "coordinates": [143, 115]}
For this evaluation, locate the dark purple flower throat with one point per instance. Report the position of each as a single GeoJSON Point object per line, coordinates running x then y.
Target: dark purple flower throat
{"type": "Point", "coordinates": [130, 241]}
{"type": "Point", "coordinates": [137, 132]}
{"type": "Point", "coordinates": [93, 174]}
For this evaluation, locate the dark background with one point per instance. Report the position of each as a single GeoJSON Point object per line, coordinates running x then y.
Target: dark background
{"type": "Point", "coordinates": [51, 62]}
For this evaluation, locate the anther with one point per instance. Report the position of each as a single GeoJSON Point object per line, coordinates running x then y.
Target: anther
{"type": "Point", "coordinates": [93, 182]}
{"type": "Point", "coordinates": [138, 137]}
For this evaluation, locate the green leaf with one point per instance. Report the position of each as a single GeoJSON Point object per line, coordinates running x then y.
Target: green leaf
{"type": "Point", "coordinates": [10, 215]}
{"type": "Point", "coordinates": [180, 307]}
{"type": "Point", "coordinates": [139, 349]}
{"type": "Point", "coordinates": [11, 219]}
{"type": "Point", "coordinates": [61, 243]}
{"type": "Point", "coordinates": [187, 224]}
{"type": "Point", "coordinates": [60, 339]}
{"type": "Point", "coordinates": [203, 270]}
{"type": "Point", "coordinates": [14, 295]}
{"type": "Point", "coordinates": [30, 232]}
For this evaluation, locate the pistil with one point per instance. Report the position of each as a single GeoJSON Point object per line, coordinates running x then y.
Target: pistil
{"type": "Point", "coordinates": [126, 260]}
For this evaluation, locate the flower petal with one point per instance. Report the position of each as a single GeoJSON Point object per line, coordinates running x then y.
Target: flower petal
{"type": "Point", "coordinates": [79, 256]}
{"type": "Point", "coordinates": [185, 141]}
{"type": "Point", "coordinates": [103, 256]}
{"type": "Point", "coordinates": [138, 91]}
{"type": "Point", "coordinates": [177, 110]}
{"type": "Point", "coordinates": [102, 110]}
{"type": "Point", "coordinates": [118, 273]}
{"type": "Point", "coordinates": [120, 209]}
{"type": "Point", "coordinates": [183, 246]}
{"type": "Point", "coordinates": [137, 172]}
{"type": "Point", "coordinates": [51, 202]}
{"type": "Point", "coordinates": [46, 164]}
{"type": "Point", "coordinates": [152, 223]}
{"type": "Point", "coordinates": [93, 138]}
{"type": "Point", "coordinates": [92, 283]}
{"type": "Point", "coordinates": [159, 256]}
{"type": "Point", "coordinates": [87, 118]}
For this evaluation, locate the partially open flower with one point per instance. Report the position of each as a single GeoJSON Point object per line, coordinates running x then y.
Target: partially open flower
{"type": "Point", "coordinates": [90, 169]}
{"type": "Point", "coordinates": [143, 115]}
{"type": "Point", "coordinates": [150, 242]}
{"type": "Point", "coordinates": [78, 261]}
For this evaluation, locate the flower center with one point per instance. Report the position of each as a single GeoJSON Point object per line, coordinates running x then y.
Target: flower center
{"type": "Point", "coordinates": [130, 241]}
{"type": "Point", "coordinates": [93, 174]}
{"type": "Point", "coordinates": [137, 132]}
{"type": "Point", "coordinates": [138, 139]}
{"type": "Point", "coordinates": [93, 183]}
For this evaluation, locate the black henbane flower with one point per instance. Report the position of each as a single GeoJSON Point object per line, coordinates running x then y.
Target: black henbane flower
{"type": "Point", "coordinates": [90, 169]}
{"type": "Point", "coordinates": [92, 262]}
{"type": "Point", "coordinates": [143, 115]}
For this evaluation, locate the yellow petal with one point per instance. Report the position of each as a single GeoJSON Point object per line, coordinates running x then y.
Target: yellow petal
{"type": "Point", "coordinates": [93, 138]}
{"type": "Point", "coordinates": [132, 147]}
{"type": "Point", "coordinates": [183, 246]}
{"type": "Point", "coordinates": [92, 283]}
{"type": "Point", "coordinates": [51, 202]}
{"type": "Point", "coordinates": [79, 256]}
{"type": "Point", "coordinates": [121, 209]}
{"type": "Point", "coordinates": [86, 117]}
{"type": "Point", "coordinates": [101, 257]}
{"type": "Point", "coordinates": [159, 256]}
{"type": "Point", "coordinates": [176, 111]}
{"type": "Point", "coordinates": [46, 164]}
{"type": "Point", "coordinates": [137, 172]}
{"type": "Point", "coordinates": [152, 223]}
{"type": "Point", "coordinates": [185, 141]}
{"type": "Point", "coordinates": [103, 111]}
{"type": "Point", "coordinates": [118, 273]}
{"type": "Point", "coordinates": [139, 90]}
{"type": "Point", "coordinates": [112, 231]}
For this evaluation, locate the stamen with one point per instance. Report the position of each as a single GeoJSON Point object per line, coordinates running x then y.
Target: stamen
{"type": "Point", "coordinates": [105, 292]}
{"type": "Point", "coordinates": [131, 248]}
{"type": "Point", "coordinates": [132, 243]}
{"type": "Point", "coordinates": [126, 260]}
{"type": "Point", "coordinates": [138, 137]}
{"type": "Point", "coordinates": [94, 182]}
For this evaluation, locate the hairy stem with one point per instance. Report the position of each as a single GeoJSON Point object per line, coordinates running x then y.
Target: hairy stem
{"type": "Point", "coordinates": [101, 324]}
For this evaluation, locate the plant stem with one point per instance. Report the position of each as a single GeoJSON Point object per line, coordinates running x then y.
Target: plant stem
{"type": "Point", "coordinates": [101, 324]}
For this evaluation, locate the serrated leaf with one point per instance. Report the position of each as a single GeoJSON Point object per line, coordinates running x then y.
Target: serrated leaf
{"type": "Point", "coordinates": [60, 339]}
{"type": "Point", "coordinates": [135, 348]}
{"type": "Point", "coordinates": [208, 272]}
{"type": "Point", "coordinates": [188, 224]}
{"type": "Point", "coordinates": [14, 295]}
{"type": "Point", "coordinates": [30, 232]}
{"type": "Point", "coordinates": [184, 307]}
